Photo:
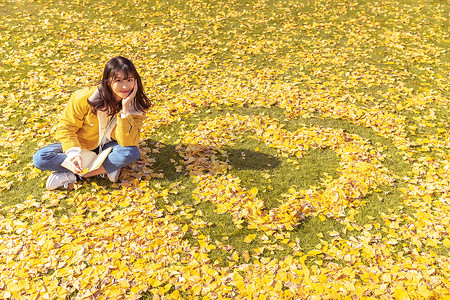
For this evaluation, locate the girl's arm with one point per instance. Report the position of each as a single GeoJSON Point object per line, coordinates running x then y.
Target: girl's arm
{"type": "Point", "coordinates": [126, 103]}
{"type": "Point", "coordinates": [129, 122]}
{"type": "Point", "coordinates": [72, 120]}
{"type": "Point", "coordinates": [127, 131]}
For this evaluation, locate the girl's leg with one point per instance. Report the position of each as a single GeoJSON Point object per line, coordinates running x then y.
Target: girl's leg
{"type": "Point", "coordinates": [50, 158]}
{"type": "Point", "coordinates": [120, 157]}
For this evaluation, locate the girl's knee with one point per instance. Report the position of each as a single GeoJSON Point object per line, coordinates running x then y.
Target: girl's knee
{"type": "Point", "coordinates": [136, 154]}
{"type": "Point", "coordinates": [130, 154]}
{"type": "Point", "coordinates": [49, 158]}
{"type": "Point", "coordinates": [38, 162]}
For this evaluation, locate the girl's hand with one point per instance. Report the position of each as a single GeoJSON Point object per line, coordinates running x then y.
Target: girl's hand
{"type": "Point", "coordinates": [77, 163]}
{"type": "Point", "coordinates": [126, 102]}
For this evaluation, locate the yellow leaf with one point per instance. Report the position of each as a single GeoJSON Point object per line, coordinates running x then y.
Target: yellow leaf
{"type": "Point", "coordinates": [249, 238]}
{"type": "Point", "coordinates": [400, 293]}
{"type": "Point", "coordinates": [235, 256]}
{"type": "Point", "coordinates": [314, 252]}
{"type": "Point", "coordinates": [253, 191]}
{"type": "Point", "coordinates": [196, 289]}
{"type": "Point", "coordinates": [240, 285]}
{"type": "Point", "coordinates": [246, 256]}
{"type": "Point", "coordinates": [446, 242]}
{"type": "Point", "coordinates": [333, 233]}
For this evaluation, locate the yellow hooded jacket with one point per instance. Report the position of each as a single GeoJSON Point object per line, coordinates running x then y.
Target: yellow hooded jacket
{"type": "Point", "coordinates": [79, 127]}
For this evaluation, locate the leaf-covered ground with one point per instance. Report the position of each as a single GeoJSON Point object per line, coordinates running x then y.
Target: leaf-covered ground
{"type": "Point", "coordinates": [295, 149]}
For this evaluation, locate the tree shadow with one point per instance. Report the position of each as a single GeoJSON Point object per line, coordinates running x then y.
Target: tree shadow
{"type": "Point", "coordinates": [244, 159]}
{"type": "Point", "coordinates": [166, 160]}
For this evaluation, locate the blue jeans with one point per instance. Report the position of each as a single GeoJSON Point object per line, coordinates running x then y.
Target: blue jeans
{"type": "Point", "coordinates": [50, 157]}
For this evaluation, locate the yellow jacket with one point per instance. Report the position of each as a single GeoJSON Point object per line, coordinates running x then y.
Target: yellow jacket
{"type": "Point", "coordinates": [79, 127]}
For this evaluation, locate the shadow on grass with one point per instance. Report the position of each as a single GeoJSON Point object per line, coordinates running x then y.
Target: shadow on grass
{"type": "Point", "coordinates": [167, 159]}
{"type": "Point", "coordinates": [244, 159]}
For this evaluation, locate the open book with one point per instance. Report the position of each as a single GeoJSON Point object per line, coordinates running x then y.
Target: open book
{"type": "Point", "coordinates": [90, 160]}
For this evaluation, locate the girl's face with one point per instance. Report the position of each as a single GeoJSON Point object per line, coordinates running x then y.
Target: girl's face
{"type": "Point", "coordinates": [122, 86]}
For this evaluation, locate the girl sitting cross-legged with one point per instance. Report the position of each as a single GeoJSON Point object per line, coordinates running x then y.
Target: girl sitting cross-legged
{"type": "Point", "coordinates": [106, 116]}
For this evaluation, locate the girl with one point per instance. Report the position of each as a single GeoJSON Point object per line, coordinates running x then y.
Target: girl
{"type": "Point", "coordinates": [97, 118]}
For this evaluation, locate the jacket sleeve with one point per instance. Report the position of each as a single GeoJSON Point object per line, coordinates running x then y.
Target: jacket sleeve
{"type": "Point", "coordinates": [71, 120]}
{"type": "Point", "coordinates": [127, 131]}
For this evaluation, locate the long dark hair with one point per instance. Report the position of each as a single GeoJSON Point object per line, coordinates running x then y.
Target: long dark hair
{"type": "Point", "coordinates": [106, 100]}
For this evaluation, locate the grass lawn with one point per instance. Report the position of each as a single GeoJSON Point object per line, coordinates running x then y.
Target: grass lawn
{"type": "Point", "coordinates": [294, 149]}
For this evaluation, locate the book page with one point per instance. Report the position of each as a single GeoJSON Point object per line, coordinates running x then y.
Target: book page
{"type": "Point", "coordinates": [87, 158]}
{"type": "Point", "coordinates": [90, 160]}
{"type": "Point", "coordinates": [100, 159]}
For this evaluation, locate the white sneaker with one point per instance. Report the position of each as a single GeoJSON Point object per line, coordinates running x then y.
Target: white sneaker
{"type": "Point", "coordinates": [114, 176]}
{"type": "Point", "coordinates": [60, 179]}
